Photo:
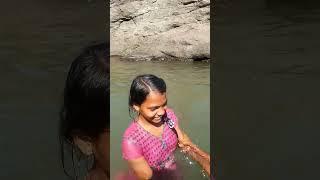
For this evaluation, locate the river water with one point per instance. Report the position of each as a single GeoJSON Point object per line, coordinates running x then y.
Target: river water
{"type": "Point", "coordinates": [188, 93]}
{"type": "Point", "coordinates": [267, 89]}
{"type": "Point", "coordinates": [39, 39]}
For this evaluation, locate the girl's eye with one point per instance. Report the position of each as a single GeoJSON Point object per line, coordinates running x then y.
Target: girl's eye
{"type": "Point", "coordinates": [153, 109]}
{"type": "Point", "coordinates": [165, 105]}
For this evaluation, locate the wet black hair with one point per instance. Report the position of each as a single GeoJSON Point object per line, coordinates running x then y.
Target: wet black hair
{"type": "Point", "coordinates": [141, 87]}
{"type": "Point", "coordinates": [85, 111]}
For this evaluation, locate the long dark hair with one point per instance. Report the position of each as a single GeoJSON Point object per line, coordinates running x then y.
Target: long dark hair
{"type": "Point", "coordinates": [85, 111]}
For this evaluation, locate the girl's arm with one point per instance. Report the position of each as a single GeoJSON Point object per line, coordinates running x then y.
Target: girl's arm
{"type": "Point", "coordinates": [140, 168]}
{"type": "Point", "coordinates": [132, 153]}
{"type": "Point", "coordinates": [201, 157]}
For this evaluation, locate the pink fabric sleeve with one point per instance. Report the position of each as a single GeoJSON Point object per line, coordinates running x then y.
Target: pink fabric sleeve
{"type": "Point", "coordinates": [172, 116]}
{"type": "Point", "coordinates": [130, 150]}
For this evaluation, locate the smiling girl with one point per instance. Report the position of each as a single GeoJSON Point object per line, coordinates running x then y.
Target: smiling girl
{"type": "Point", "coordinates": [149, 142]}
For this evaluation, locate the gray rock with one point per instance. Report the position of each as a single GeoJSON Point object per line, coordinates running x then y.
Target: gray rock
{"type": "Point", "coordinates": [160, 29]}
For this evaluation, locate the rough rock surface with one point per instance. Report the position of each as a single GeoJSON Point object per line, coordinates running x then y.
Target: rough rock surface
{"type": "Point", "coordinates": [160, 29]}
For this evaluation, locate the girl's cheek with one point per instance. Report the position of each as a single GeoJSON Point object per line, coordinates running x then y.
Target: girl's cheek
{"type": "Point", "coordinates": [152, 114]}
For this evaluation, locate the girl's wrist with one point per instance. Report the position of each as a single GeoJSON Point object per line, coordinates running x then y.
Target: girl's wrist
{"type": "Point", "coordinates": [198, 151]}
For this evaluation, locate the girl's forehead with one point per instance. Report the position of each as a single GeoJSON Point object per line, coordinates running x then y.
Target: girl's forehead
{"type": "Point", "coordinates": [155, 96]}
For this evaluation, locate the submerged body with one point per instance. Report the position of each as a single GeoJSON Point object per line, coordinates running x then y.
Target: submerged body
{"type": "Point", "coordinates": [149, 142]}
{"type": "Point", "coordinates": [157, 151]}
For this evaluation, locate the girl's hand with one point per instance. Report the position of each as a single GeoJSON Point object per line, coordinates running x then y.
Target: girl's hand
{"type": "Point", "coordinates": [184, 141]}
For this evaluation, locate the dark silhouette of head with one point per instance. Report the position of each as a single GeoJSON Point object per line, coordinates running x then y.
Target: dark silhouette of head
{"type": "Point", "coordinates": [84, 117]}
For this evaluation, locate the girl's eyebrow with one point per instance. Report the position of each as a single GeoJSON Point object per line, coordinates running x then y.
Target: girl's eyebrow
{"type": "Point", "coordinates": [152, 107]}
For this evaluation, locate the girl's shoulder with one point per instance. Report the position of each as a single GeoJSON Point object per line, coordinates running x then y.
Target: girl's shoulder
{"type": "Point", "coordinates": [131, 144]}
{"type": "Point", "coordinates": [171, 114]}
{"type": "Point", "coordinates": [168, 109]}
{"type": "Point", "coordinates": [130, 129]}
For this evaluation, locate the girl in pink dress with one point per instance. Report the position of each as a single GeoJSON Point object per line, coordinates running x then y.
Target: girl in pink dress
{"type": "Point", "coordinates": [149, 142]}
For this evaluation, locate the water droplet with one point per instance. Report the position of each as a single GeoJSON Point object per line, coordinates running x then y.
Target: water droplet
{"type": "Point", "coordinates": [204, 174]}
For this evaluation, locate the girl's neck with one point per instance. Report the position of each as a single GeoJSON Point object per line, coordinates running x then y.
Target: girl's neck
{"type": "Point", "coordinates": [155, 130]}
{"type": "Point", "coordinates": [145, 123]}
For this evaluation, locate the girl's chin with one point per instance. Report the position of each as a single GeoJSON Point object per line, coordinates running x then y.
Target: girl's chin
{"type": "Point", "coordinates": [156, 120]}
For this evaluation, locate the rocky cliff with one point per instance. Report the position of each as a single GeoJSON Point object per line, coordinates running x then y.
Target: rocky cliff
{"type": "Point", "coordinates": [160, 29]}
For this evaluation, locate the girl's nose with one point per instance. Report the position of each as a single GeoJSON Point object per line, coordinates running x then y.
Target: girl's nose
{"type": "Point", "coordinates": [161, 111]}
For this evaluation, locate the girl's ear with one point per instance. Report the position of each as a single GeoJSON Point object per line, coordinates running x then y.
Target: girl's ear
{"type": "Point", "coordinates": [136, 108]}
{"type": "Point", "coordinates": [85, 146]}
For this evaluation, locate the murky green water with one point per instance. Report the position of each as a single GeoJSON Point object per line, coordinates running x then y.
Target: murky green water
{"type": "Point", "coordinates": [188, 94]}
{"type": "Point", "coordinates": [267, 89]}
{"type": "Point", "coordinates": [39, 39]}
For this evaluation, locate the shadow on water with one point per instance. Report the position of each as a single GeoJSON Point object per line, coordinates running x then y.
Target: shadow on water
{"type": "Point", "coordinates": [39, 39]}
{"type": "Point", "coordinates": [292, 4]}
{"type": "Point", "coordinates": [266, 89]}
{"type": "Point", "coordinates": [298, 12]}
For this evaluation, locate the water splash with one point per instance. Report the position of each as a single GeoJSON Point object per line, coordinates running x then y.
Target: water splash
{"type": "Point", "coordinates": [204, 174]}
{"type": "Point", "coordinates": [188, 160]}
{"type": "Point", "coordinates": [190, 163]}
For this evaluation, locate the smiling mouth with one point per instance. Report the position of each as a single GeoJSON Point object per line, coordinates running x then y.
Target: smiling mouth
{"type": "Point", "coordinates": [157, 119]}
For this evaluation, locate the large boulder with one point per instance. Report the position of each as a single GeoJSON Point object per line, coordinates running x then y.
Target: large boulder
{"type": "Point", "coordinates": [160, 29]}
